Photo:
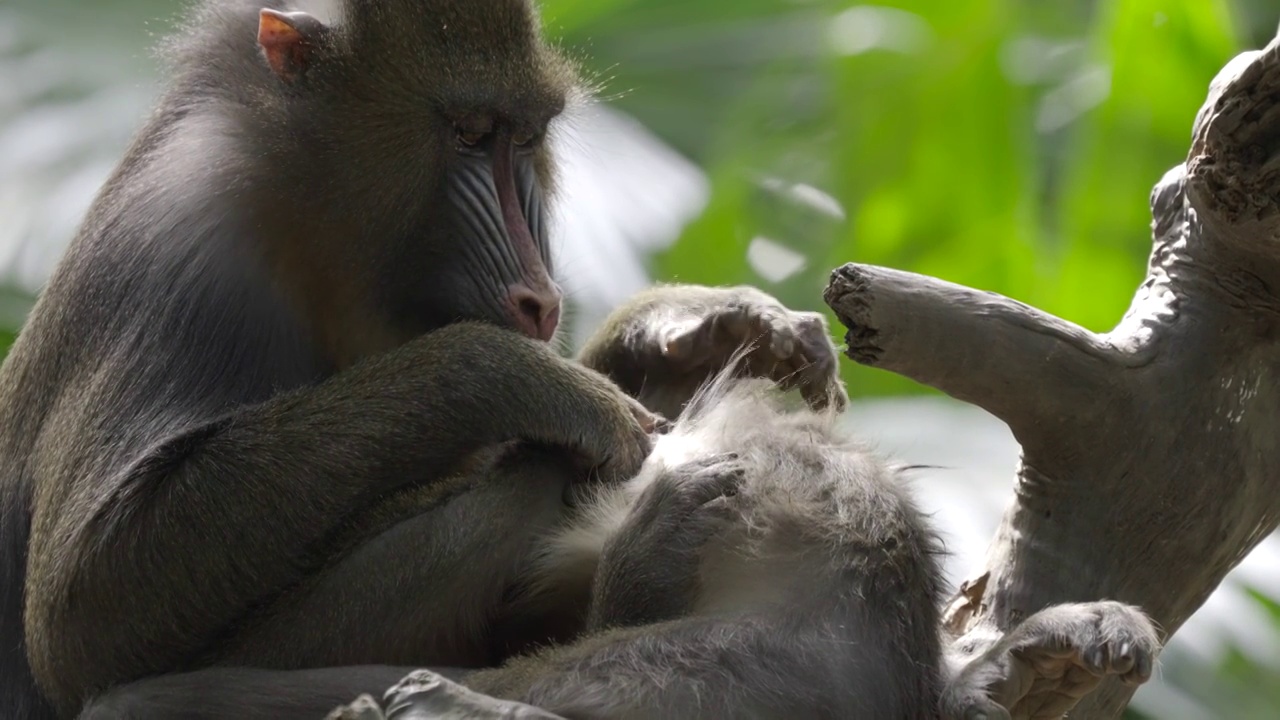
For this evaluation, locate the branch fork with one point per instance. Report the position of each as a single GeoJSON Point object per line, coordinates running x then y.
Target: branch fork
{"type": "Point", "coordinates": [1149, 464]}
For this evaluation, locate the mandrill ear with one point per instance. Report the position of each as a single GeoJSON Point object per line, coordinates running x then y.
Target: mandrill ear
{"type": "Point", "coordinates": [287, 40]}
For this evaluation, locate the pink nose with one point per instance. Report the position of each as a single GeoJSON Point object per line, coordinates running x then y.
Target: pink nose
{"type": "Point", "coordinates": [535, 312]}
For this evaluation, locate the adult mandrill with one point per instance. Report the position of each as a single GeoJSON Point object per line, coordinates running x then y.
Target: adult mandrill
{"type": "Point", "coordinates": [284, 312]}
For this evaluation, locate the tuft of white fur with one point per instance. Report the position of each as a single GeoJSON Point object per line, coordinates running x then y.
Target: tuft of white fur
{"type": "Point", "coordinates": [569, 556]}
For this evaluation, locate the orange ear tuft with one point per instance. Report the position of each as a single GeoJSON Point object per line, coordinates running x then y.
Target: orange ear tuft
{"type": "Point", "coordinates": [285, 41]}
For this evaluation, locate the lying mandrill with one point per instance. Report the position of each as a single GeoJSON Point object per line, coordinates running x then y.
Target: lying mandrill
{"type": "Point", "coordinates": [764, 565]}
{"type": "Point", "coordinates": [761, 565]}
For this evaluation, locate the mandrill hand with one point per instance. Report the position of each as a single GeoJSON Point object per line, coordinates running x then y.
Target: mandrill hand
{"type": "Point", "coordinates": [669, 340]}
{"type": "Point", "coordinates": [792, 348]}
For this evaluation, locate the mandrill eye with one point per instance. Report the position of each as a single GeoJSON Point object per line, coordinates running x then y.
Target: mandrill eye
{"type": "Point", "coordinates": [522, 139]}
{"type": "Point", "coordinates": [471, 139]}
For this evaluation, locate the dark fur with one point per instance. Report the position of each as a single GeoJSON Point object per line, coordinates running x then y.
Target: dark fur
{"type": "Point", "coordinates": [230, 359]}
{"type": "Point", "coordinates": [501, 506]}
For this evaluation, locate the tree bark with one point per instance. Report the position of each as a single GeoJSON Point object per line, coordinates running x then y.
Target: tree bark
{"type": "Point", "coordinates": [1151, 454]}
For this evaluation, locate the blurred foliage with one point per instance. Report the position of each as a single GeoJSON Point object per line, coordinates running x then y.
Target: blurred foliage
{"type": "Point", "coordinates": [1009, 145]}
{"type": "Point", "coordinates": [1253, 687]}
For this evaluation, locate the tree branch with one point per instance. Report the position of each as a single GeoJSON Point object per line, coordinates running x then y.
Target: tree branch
{"type": "Point", "coordinates": [1150, 466]}
{"type": "Point", "coordinates": [976, 346]}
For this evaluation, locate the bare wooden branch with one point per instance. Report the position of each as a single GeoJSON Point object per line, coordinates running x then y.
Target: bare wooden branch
{"type": "Point", "coordinates": [976, 346]}
{"type": "Point", "coordinates": [1150, 464]}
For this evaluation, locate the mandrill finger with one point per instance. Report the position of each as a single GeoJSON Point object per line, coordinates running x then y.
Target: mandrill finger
{"type": "Point", "coordinates": [746, 327]}
{"type": "Point", "coordinates": [820, 385]}
{"type": "Point", "coordinates": [835, 395]}
{"type": "Point", "coordinates": [733, 326]}
{"type": "Point", "coordinates": [651, 422]}
{"type": "Point", "coordinates": [820, 395]}
{"type": "Point", "coordinates": [775, 332]}
{"type": "Point", "coordinates": [684, 343]}
{"type": "Point", "coordinates": [696, 342]}
{"type": "Point", "coordinates": [814, 343]}
{"type": "Point", "coordinates": [760, 362]}
{"type": "Point", "coordinates": [822, 371]}
{"type": "Point", "coordinates": [663, 425]}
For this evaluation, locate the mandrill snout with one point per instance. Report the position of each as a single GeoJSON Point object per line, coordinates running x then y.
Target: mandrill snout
{"type": "Point", "coordinates": [536, 313]}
